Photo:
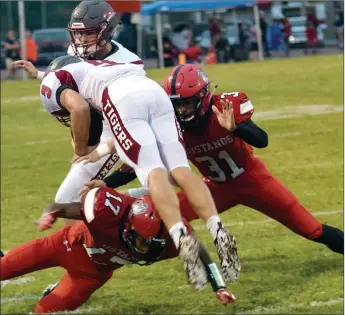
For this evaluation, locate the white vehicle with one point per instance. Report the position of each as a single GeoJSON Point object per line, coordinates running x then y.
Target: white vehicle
{"type": "Point", "coordinates": [296, 11]}
{"type": "Point", "coordinates": [298, 27]}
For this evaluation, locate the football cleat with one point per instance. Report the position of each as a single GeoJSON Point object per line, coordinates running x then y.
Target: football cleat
{"type": "Point", "coordinates": [227, 253]}
{"type": "Point", "coordinates": [49, 289]}
{"type": "Point", "coordinates": [195, 270]}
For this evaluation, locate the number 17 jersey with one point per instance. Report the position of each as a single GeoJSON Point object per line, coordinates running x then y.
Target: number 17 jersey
{"type": "Point", "coordinates": [218, 154]}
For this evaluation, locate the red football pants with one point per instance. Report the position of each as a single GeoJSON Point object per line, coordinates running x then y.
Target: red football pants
{"type": "Point", "coordinates": [258, 189]}
{"type": "Point", "coordinates": [82, 278]}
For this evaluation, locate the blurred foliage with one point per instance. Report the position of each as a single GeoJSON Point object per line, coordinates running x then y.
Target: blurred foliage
{"type": "Point", "coordinates": [33, 14]}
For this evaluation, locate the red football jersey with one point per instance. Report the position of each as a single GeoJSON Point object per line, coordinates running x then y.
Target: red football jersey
{"type": "Point", "coordinates": [100, 233]}
{"type": "Point", "coordinates": [218, 154]}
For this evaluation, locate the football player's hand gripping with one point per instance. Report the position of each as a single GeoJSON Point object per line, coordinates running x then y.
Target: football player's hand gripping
{"type": "Point", "coordinates": [102, 150]}
{"type": "Point", "coordinates": [90, 185]}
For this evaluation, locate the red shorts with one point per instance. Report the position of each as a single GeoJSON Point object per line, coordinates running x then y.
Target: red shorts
{"type": "Point", "coordinates": [82, 278]}
{"type": "Point", "coordinates": [257, 188]}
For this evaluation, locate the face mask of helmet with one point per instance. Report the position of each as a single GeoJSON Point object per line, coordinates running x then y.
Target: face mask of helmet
{"type": "Point", "coordinates": [185, 108]}
{"type": "Point", "coordinates": [189, 110]}
{"type": "Point", "coordinates": [147, 250]}
{"type": "Point", "coordinates": [144, 221]}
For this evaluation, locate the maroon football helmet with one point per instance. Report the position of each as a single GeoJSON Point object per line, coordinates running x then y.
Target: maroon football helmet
{"type": "Point", "coordinates": [93, 24]}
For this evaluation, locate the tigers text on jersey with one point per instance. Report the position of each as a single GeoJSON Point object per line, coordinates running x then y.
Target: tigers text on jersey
{"type": "Point", "coordinates": [89, 79]}
{"type": "Point", "coordinates": [218, 154]}
{"type": "Point", "coordinates": [101, 230]}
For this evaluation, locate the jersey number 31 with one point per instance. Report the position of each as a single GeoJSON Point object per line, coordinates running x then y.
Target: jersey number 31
{"type": "Point", "coordinates": [213, 165]}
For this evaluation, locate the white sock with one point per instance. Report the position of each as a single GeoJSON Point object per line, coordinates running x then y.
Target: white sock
{"type": "Point", "coordinates": [176, 231]}
{"type": "Point", "coordinates": [212, 225]}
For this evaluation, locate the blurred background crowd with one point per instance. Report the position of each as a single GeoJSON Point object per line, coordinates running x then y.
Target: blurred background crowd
{"type": "Point", "coordinates": [213, 36]}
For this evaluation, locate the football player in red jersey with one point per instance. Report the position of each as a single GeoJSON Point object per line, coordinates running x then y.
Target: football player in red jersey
{"type": "Point", "coordinates": [219, 137]}
{"type": "Point", "coordinates": [115, 230]}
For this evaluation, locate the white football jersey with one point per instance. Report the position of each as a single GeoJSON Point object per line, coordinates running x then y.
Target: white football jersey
{"type": "Point", "coordinates": [89, 79]}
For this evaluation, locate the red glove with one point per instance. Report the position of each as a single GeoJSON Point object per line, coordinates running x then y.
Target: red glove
{"type": "Point", "coordinates": [47, 220]}
{"type": "Point", "coordinates": [225, 297]}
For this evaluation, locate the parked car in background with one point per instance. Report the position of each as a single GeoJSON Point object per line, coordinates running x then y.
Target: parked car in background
{"type": "Point", "coordinates": [51, 43]}
{"type": "Point", "coordinates": [298, 27]}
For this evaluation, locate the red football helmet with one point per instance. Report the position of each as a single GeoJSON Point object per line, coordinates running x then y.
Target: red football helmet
{"type": "Point", "coordinates": [189, 90]}
{"type": "Point", "coordinates": [143, 231]}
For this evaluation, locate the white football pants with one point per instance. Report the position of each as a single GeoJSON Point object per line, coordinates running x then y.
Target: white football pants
{"type": "Point", "coordinates": [142, 119]}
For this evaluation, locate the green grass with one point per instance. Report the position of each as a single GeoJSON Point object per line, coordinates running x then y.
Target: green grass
{"type": "Point", "coordinates": [281, 272]}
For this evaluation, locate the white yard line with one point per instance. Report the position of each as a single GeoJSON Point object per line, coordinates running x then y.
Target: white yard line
{"type": "Point", "coordinates": [22, 99]}
{"type": "Point", "coordinates": [297, 111]}
{"type": "Point", "coordinates": [258, 222]}
{"type": "Point", "coordinates": [19, 298]}
{"type": "Point", "coordinates": [278, 309]}
{"type": "Point", "coordinates": [47, 141]}
{"type": "Point", "coordinates": [19, 281]}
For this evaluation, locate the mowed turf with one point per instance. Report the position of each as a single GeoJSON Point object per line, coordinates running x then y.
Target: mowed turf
{"type": "Point", "coordinates": [281, 272]}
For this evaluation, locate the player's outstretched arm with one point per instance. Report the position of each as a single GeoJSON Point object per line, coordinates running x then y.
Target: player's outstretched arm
{"type": "Point", "coordinates": [29, 68]}
{"type": "Point", "coordinates": [252, 134]}
{"type": "Point", "coordinates": [247, 130]}
{"type": "Point", "coordinates": [215, 278]}
{"type": "Point", "coordinates": [58, 210]}
{"type": "Point", "coordinates": [80, 119]}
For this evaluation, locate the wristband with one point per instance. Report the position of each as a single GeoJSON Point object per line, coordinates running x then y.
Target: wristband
{"type": "Point", "coordinates": [103, 150]}
{"type": "Point", "coordinates": [40, 75]}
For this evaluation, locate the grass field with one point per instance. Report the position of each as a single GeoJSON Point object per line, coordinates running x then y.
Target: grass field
{"type": "Point", "coordinates": [281, 272]}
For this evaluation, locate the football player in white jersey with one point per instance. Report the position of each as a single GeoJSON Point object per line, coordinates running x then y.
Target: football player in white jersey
{"type": "Point", "coordinates": [92, 26]}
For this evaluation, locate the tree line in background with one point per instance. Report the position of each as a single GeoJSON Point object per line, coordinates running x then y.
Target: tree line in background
{"type": "Point", "coordinates": [37, 15]}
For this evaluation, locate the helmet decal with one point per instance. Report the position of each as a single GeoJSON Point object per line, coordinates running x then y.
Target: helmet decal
{"type": "Point", "coordinates": [202, 75]}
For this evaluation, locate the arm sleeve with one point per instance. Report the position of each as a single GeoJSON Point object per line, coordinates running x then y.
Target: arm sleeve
{"type": "Point", "coordinates": [119, 178]}
{"type": "Point", "coordinates": [252, 134]}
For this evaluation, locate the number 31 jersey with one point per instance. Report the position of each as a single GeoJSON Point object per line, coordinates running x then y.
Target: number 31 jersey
{"type": "Point", "coordinates": [218, 154]}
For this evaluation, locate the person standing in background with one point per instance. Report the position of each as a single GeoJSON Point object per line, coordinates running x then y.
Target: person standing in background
{"type": "Point", "coordinates": [264, 27]}
{"type": "Point", "coordinates": [222, 47]}
{"type": "Point", "coordinates": [182, 37]}
{"type": "Point", "coordinates": [11, 53]}
{"type": "Point", "coordinates": [276, 34]}
{"type": "Point", "coordinates": [339, 24]}
{"type": "Point", "coordinates": [286, 26]}
{"type": "Point", "coordinates": [31, 47]}
{"type": "Point", "coordinates": [214, 28]}
{"type": "Point", "coordinates": [312, 40]}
